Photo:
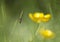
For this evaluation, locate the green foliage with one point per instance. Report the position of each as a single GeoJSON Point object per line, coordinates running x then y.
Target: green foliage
{"type": "Point", "coordinates": [13, 31]}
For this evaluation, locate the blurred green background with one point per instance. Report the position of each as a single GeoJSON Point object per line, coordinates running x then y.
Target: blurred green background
{"type": "Point", "coordinates": [13, 31]}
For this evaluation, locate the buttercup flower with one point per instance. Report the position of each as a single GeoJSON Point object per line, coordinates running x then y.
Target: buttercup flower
{"type": "Point", "coordinates": [39, 17]}
{"type": "Point", "coordinates": [46, 33]}
{"type": "Point", "coordinates": [36, 17]}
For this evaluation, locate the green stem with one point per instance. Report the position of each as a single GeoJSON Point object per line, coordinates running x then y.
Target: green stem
{"type": "Point", "coordinates": [38, 26]}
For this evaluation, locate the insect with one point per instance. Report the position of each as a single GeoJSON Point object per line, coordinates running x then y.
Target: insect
{"type": "Point", "coordinates": [20, 18]}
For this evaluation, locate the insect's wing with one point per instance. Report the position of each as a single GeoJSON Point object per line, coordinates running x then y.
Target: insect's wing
{"type": "Point", "coordinates": [21, 15]}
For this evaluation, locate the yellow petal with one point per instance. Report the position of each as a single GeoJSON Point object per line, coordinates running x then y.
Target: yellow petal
{"type": "Point", "coordinates": [38, 15]}
{"type": "Point", "coordinates": [30, 16]}
{"type": "Point", "coordinates": [46, 18]}
{"type": "Point", "coordinates": [47, 33]}
{"type": "Point", "coordinates": [41, 15]}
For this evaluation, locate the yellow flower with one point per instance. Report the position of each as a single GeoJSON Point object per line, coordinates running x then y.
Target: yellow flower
{"type": "Point", "coordinates": [39, 17]}
{"type": "Point", "coordinates": [46, 33]}
{"type": "Point", "coordinates": [36, 17]}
